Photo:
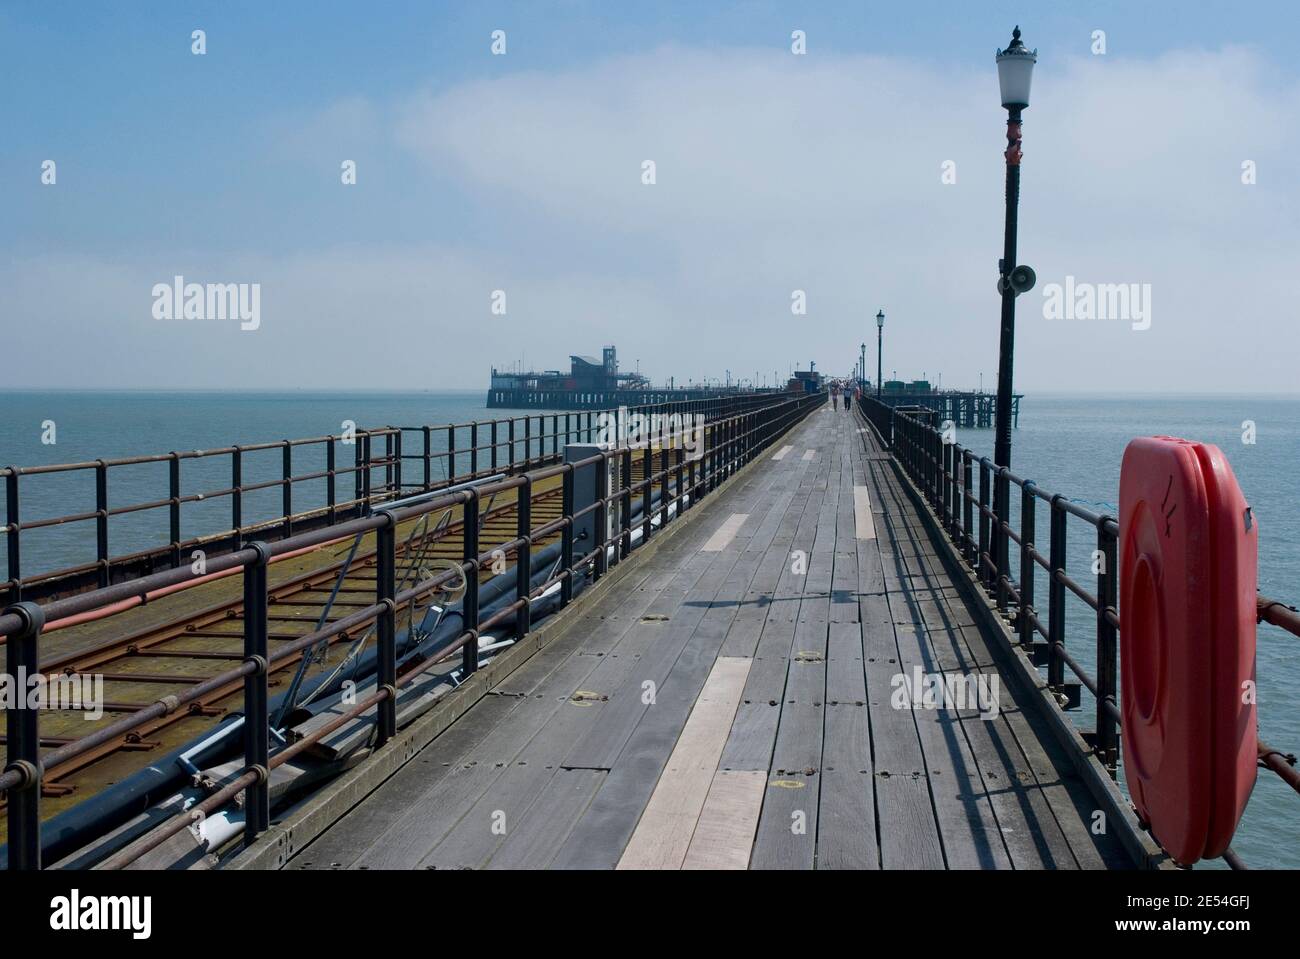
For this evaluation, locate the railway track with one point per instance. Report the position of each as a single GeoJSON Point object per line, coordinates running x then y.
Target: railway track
{"type": "Point", "coordinates": [202, 635]}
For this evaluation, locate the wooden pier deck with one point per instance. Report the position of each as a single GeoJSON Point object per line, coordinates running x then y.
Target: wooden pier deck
{"type": "Point", "coordinates": [720, 704]}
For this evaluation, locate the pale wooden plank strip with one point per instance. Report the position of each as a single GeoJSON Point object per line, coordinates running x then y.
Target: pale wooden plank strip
{"type": "Point", "coordinates": [721, 539]}
{"type": "Point", "coordinates": [863, 521]}
{"type": "Point", "coordinates": [724, 835]}
{"type": "Point", "coordinates": [782, 452]}
{"type": "Point", "coordinates": [663, 835]}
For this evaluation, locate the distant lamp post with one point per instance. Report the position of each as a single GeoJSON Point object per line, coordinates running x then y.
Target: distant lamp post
{"type": "Point", "coordinates": [1015, 74]}
{"type": "Point", "coordinates": [880, 334]}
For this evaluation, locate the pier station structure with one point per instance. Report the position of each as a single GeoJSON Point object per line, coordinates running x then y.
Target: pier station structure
{"type": "Point", "coordinates": [597, 384]}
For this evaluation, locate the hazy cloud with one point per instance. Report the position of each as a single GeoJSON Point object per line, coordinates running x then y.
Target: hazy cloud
{"type": "Point", "coordinates": [774, 173]}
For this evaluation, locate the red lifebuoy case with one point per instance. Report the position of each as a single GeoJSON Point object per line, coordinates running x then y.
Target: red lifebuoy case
{"type": "Point", "coordinates": [1188, 547]}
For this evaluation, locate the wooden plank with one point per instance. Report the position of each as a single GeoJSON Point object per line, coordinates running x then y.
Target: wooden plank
{"type": "Point", "coordinates": [664, 832]}
{"type": "Point", "coordinates": [725, 533]}
{"type": "Point", "coordinates": [782, 453]}
{"type": "Point", "coordinates": [724, 834]}
{"type": "Point", "coordinates": [846, 818]}
{"type": "Point", "coordinates": [787, 827]}
{"type": "Point", "coordinates": [549, 821]}
{"type": "Point", "coordinates": [865, 522]}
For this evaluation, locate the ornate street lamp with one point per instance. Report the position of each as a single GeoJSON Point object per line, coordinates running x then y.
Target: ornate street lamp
{"type": "Point", "coordinates": [880, 333]}
{"type": "Point", "coordinates": [1015, 74]}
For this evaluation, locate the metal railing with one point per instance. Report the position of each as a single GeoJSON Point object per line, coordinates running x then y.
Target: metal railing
{"type": "Point", "coordinates": [383, 464]}
{"type": "Point", "coordinates": [681, 481]}
{"type": "Point", "coordinates": [944, 473]}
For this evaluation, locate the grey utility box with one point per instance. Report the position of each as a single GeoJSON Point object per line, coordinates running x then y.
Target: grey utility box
{"type": "Point", "coordinates": [585, 493]}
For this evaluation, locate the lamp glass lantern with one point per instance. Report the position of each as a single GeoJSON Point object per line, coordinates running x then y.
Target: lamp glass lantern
{"type": "Point", "coordinates": [880, 320]}
{"type": "Point", "coordinates": [1016, 72]}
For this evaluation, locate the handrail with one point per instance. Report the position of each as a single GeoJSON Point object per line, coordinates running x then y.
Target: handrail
{"type": "Point", "coordinates": [411, 458]}
{"type": "Point", "coordinates": [729, 443]}
{"type": "Point", "coordinates": [943, 472]}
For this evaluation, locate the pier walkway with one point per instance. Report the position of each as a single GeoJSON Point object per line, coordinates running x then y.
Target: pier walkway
{"type": "Point", "coordinates": [730, 700]}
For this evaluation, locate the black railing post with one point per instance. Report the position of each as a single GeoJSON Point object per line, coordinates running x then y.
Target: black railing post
{"type": "Point", "coordinates": [358, 452]}
{"type": "Point", "coordinates": [174, 505]}
{"type": "Point", "coordinates": [968, 507]}
{"type": "Point", "coordinates": [690, 474]}
{"type": "Point", "coordinates": [1002, 555]}
{"type": "Point", "coordinates": [666, 472]}
{"type": "Point", "coordinates": [257, 743]}
{"type": "Point", "coordinates": [1002, 494]}
{"type": "Point", "coordinates": [469, 603]}
{"type": "Point", "coordinates": [397, 463]}
{"type": "Point", "coordinates": [386, 625]}
{"type": "Point", "coordinates": [1056, 598]}
{"type": "Point", "coordinates": [237, 494]}
{"type": "Point", "coordinates": [647, 493]}
{"type": "Point", "coordinates": [947, 485]}
{"type": "Point", "coordinates": [494, 446]}
{"type": "Point", "coordinates": [511, 432]}
{"type": "Point", "coordinates": [13, 534]}
{"type": "Point", "coordinates": [523, 558]}
{"type": "Point", "coordinates": [602, 512]}
{"type": "Point", "coordinates": [1107, 652]}
{"type": "Point", "coordinates": [984, 557]}
{"type": "Point", "coordinates": [936, 469]}
{"type": "Point", "coordinates": [367, 468]}
{"type": "Point", "coordinates": [566, 537]}
{"type": "Point", "coordinates": [428, 457]}
{"type": "Point", "coordinates": [1025, 613]}
{"type": "Point", "coordinates": [955, 490]}
{"type": "Point", "coordinates": [23, 752]}
{"type": "Point", "coordinates": [101, 521]}
{"type": "Point", "coordinates": [286, 488]}
{"type": "Point", "coordinates": [451, 454]}
{"type": "Point", "coordinates": [625, 511]}
{"type": "Point", "coordinates": [473, 448]}
{"type": "Point", "coordinates": [388, 463]}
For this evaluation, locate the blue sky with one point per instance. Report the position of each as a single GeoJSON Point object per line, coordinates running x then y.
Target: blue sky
{"type": "Point", "coordinates": [226, 167]}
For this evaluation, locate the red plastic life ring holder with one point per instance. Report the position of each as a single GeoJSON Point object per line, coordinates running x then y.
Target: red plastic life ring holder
{"type": "Point", "coordinates": [1188, 563]}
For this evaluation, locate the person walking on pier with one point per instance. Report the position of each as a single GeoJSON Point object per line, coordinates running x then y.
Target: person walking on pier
{"type": "Point", "coordinates": [835, 396]}
{"type": "Point", "coordinates": [848, 398]}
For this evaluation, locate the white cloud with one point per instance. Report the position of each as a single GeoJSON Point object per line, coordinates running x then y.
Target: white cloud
{"type": "Point", "coordinates": [775, 173]}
